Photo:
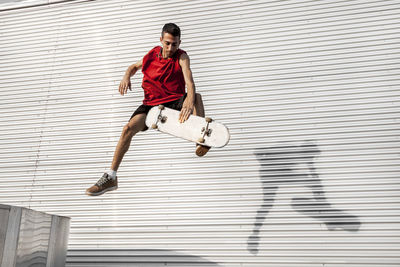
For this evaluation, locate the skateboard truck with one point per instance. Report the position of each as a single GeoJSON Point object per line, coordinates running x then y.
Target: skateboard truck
{"type": "Point", "coordinates": [160, 118]}
{"type": "Point", "coordinates": [205, 130]}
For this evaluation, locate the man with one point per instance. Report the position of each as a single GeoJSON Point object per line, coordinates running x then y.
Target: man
{"type": "Point", "coordinates": [166, 70]}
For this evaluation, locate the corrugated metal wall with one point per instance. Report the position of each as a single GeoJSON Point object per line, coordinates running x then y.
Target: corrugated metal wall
{"type": "Point", "coordinates": [309, 90]}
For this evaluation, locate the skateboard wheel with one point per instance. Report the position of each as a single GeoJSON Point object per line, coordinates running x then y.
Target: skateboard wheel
{"type": "Point", "coordinates": [161, 107]}
{"type": "Point", "coordinates": [208, 119]}
{"type": "Point", "coordinates": [201, 140]}
{"type": "Point", "coordinates": [154, 126]}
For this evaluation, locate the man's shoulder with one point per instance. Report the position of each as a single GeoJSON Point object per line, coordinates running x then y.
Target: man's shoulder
{"type": "Point", "coordinates": [152, 54]}
{"type": "Point", "coordinates": [154, 50]}
{"type": "Point", "coordinates": [182, 54]}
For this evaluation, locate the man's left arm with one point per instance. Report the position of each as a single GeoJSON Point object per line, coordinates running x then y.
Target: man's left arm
{"type": "Point", "coordinates": [188, 104]}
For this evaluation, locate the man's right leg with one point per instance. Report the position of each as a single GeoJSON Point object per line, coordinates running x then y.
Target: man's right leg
{"type": "Point", "coordinates": [135, 125]}
{"type": "Point", "coordinates": [106, 182]}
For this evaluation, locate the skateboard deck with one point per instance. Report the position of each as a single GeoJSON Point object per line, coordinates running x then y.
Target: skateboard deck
{"type": "Point", "coordinates": [204, 131]}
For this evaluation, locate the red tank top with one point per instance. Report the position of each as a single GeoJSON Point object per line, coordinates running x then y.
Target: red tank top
{"type": "Point", "coordinates": [163, 79]}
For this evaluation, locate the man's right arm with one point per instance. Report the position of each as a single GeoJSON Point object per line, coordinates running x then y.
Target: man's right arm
{"type": "Point", "coordinates": [126, 81]}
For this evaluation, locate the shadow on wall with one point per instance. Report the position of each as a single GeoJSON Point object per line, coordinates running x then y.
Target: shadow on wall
{"type": "Point", "coordinates": [287, 163]}
{"type": "Point", "coordinates": [133, 257]}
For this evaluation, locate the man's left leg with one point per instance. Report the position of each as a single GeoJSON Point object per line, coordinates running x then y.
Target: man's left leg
{"type": "Point", "coordinates": [199, 111]}
{"type": "Point", "coordinates": [198, 106]}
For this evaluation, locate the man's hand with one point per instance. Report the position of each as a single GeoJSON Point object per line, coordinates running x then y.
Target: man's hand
{"type": "Point", "coordinates": [126, 81]}
{"type": "Point", "coordinates": [186, 111]}
{"type": "Point", "coordinates": [125, 85]}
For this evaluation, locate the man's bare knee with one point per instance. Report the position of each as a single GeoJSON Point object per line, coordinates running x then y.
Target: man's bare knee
{"type": "Point", "coordinates": [135, 125]}
{"type": "Point", "coordinates": [198, 98]}
{"type": "Point", "coordinates": [128, 130]}
{"type": "Point", "coordinates": [198, 106]}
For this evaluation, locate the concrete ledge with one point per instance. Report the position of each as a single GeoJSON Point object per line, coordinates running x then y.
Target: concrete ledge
{"type": "Point", "coordinates": [32, 238]}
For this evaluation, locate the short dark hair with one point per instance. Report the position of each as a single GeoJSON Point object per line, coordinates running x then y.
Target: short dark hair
{"type": "Point", "coordinates": [171, 28]}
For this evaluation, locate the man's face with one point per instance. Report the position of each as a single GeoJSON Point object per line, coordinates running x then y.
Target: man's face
{"type": "Point", "coordinates": [170, 44]}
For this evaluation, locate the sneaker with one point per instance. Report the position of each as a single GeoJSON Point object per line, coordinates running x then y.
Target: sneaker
{"type": "Point", "coordinates": [202, 150]}
{"type": "Point", "coordinates": [104, 184]}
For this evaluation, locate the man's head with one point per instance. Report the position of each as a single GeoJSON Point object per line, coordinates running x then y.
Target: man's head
{"type": "Point", "coordinates": [170, 39]}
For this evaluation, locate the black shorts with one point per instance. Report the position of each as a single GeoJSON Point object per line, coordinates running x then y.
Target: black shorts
{"type": "Point", "coordinates": [144, 109]}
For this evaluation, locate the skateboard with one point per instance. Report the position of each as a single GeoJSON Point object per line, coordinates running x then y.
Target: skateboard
{"type": "Point", "coordinates": [204, 131]}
